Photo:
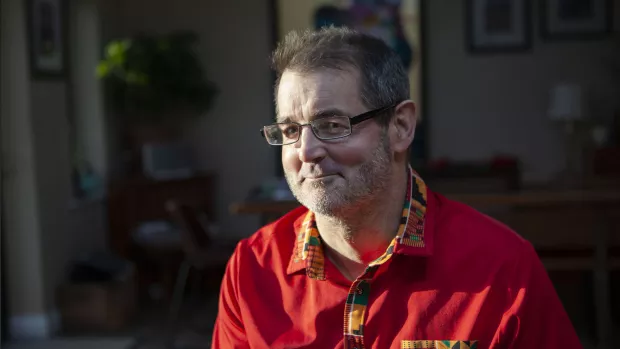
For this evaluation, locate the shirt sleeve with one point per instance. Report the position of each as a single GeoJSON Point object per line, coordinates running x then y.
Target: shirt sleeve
{"type": "Point", "coordinates": [536, 318]}
{"type": "Point", "coordinates": [229, 331]}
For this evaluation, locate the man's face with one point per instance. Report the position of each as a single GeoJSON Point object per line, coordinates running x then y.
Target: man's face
{"type": "Point", "coordinates": [332, 175]}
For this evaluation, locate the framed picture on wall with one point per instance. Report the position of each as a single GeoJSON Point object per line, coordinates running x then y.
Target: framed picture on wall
{"type": "Point", "coordinates": [47, 30]}
{"type": "Point", "coordinates": [576, 19]}
{"type": "Point", "coordinates": [497, 25]}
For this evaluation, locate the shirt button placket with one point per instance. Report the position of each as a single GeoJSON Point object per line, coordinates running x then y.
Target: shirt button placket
{"type": "Point", "coordinates": [357, 342]}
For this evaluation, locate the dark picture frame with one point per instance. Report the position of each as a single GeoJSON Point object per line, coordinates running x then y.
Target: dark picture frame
{"type": "Point", "coordinates": [48, 37]}
{"type": "Point", "coordinates": [495, 26]}
{"type": "Point", "coordinates": [576, 19]}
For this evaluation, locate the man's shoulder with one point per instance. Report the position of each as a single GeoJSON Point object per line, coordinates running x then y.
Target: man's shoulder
{"type": "Point", "coordinates": [278, 236]}
{"type": "Point", "coordinates": [458, 225]}
{"type": "Point", "coordinates": [475, 248]}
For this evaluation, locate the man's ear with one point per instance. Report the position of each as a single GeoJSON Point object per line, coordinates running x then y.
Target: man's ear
{"type": "Point", "coordinates": [402, 126]}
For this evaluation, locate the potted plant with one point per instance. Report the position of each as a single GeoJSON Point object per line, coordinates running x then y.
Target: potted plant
{"type": "Point", "coordinates": [153, 82]}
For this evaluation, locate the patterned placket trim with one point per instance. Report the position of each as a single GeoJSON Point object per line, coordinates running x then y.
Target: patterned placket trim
{"type": "Point", "coordinates": [357, 300]}
{"type": "Point", "coordinates": [309, 248]}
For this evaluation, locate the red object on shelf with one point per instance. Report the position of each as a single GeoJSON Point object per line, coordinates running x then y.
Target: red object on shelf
{"type": "Point", "coordinates": [607, 161]}
{"type": "Point", "coordinates": [504, 161]}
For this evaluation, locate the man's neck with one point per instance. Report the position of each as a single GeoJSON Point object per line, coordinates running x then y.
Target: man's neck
{"type": "Point", "coordinates": [357, 237]}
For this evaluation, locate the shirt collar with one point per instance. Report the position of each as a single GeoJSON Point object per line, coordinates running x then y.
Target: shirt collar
{"type": "Point", "coordinates": [410, 238]}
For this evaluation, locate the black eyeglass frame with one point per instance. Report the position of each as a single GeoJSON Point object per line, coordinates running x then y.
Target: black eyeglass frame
{"type": "Point", "coordinates": [353, 120]}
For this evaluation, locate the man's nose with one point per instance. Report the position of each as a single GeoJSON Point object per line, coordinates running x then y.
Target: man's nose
{"type": "Point", "coordinates": [309, 147]}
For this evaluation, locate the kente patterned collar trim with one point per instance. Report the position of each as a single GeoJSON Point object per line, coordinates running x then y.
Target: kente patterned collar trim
{"type": "Point", "coordinates": [410, 238]}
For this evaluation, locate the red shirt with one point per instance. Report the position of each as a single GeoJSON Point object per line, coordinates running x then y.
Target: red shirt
{"type": "Point", "coordinates": [452, 278]}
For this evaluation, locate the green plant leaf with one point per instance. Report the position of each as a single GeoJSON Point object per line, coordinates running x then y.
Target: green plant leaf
{"type": "Point", "coordinates": [149, 74]}
{"type": "Point", "coordinates": [117, 51]}
{"type": "Point", "coordinates": [103, 69]}
{"type": "Point", "coordinates": [136, 78]}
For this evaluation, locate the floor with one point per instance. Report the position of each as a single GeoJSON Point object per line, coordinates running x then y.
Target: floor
{"type": "Point", "coordinates": [192, 331]}
{"type": "Point", "coordinates": [94, 343]}
{"type": "Point", "coordinates": [90, 343]}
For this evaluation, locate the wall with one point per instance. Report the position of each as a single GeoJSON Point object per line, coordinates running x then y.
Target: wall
{"type": "Point", "coordinates": [235, 44]}
{"type": "Point", "coordinates": [20, 199]}
{"type": "Point", "coordinates": [51, 147]}
{"type": "Point", "coordinates": [69, 229]}
{"type": "Point", "coordinates": [482, 105]}
{"type": "Point", "coordinates": [42, 234]}
{"type": "Point", "coordinates": [478, 106]}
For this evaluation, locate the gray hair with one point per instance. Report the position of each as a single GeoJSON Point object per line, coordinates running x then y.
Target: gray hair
{"type": "Point", "coordinates": [383, 78]}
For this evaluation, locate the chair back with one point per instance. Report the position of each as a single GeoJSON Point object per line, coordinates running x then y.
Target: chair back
{"type": "Point", "coordinates": [195, 236]}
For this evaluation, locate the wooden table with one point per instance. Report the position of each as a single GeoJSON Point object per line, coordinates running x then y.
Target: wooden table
{"type": "Point", "coordinates": [522, 198]}
{"type": "Point", "coordinates": [553, 207]}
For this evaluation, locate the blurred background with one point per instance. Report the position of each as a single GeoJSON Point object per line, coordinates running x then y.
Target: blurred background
{"type": "Point", "coordinates": [131, 163]}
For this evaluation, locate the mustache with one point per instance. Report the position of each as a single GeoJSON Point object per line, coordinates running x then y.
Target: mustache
{"type": "Point", "coordinates": [315, 171]}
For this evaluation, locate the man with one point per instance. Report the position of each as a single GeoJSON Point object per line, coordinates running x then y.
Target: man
{"type": "Point", "coordinates": [374, 259]}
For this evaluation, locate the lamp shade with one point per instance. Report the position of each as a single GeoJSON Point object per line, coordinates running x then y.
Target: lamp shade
{"type": "Point", "coordinates": [565, 102]}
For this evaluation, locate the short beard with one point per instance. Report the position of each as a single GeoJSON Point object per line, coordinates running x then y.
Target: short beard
{"type": "Point", "coordinates": [370, 182]}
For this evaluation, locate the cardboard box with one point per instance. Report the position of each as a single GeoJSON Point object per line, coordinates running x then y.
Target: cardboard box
{"type": "Point", "coordinates": [98, 306]}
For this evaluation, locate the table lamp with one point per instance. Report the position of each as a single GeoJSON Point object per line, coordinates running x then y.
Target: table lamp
{"type": "Point", "coordinates": [566, 108]}
{"type": "Point", "coordinates": [565, 103]}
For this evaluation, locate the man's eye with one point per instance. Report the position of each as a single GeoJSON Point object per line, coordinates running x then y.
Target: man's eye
{"type": "Point", "coordinates": [332, 127]}
{"type": "Point", "coordinates": [289, 131]}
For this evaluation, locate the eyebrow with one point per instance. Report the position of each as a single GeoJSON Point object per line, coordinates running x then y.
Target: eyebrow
{"type": "Point", "coordinates": [318, 115]}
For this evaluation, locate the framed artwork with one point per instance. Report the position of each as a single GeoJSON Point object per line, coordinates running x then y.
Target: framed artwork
{"type": "Point", "coordinates": [498, 25]}
{"type": "Point", "coordinates": [576, 19]}
{"type": "Point", "coordinates": [47, 30]}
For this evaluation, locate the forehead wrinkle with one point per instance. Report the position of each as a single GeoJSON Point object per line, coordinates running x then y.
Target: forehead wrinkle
{"type": "Point", "coordinates": [305, 105]}
{"type": "Point", "coordinates": [301, 96]}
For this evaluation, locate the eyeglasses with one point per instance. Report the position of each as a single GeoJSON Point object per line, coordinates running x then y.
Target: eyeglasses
{"type": "Point", "coordinates": [325, 128]}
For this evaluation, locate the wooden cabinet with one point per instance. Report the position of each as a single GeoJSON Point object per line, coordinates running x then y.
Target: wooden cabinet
{"type": "Point", "coordinates": [133, 201]}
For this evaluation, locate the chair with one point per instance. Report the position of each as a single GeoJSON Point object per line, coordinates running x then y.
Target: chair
{"type": "Point", "coordinates": [202, 251]}
{"type": "Point", "coordinates": [576, 238]}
